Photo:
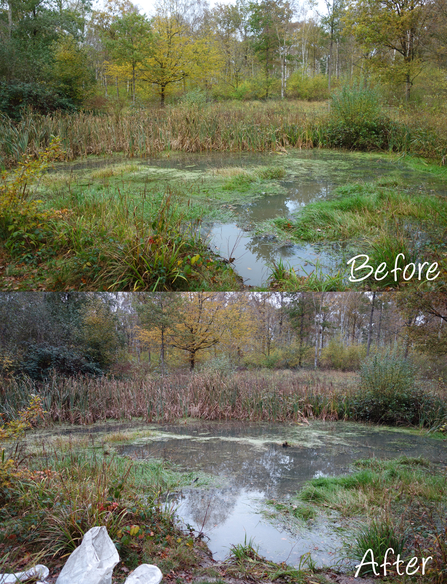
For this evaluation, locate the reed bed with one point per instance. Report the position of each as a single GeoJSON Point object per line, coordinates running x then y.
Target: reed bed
{"type": "Point", "coordinates": [216, 127]}
{"type": "Point", "coordinates": [253, 126]}
{"type": "Point", "coordinates": [250, 396]}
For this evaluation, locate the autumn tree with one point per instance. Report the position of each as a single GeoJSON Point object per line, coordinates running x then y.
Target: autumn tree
{"type": "Point", "coordinates": [197, 328]}
{"type": "Point", "coordinates": [177, 52]}
{"type": "Point", "coordinates": [128, 40]}
{"type": "Point", "coordinates": [158, 314]}
{"type": "Point", "coordinates": [395, 34]}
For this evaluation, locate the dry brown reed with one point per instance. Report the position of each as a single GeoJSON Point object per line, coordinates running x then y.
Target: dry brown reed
{"type": "Point", "coordinates": [269, 396]}
{"type": "Point", "coordinates": [252, 127]}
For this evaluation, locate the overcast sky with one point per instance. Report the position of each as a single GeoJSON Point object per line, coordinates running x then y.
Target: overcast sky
{"type": "Point", "coordinates": [147, 6]}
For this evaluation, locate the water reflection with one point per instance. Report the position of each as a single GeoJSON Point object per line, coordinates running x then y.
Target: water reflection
{"type": "Point", "coordinates": [252, 465]}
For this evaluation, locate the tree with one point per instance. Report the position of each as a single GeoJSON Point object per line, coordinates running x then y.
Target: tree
{"type": "Point", "coordinates": [198, 327]}
{"type": "Point", "coordinates": [158, 314]}
{"type": "Point", "coordinates": [176, 55]}
{"type": "Point", "coordinates": [300, 313]}
{"type": "Point", "coordinates": [395, 34]}
{"type": "Point", "coordinates": [31, 27]}
{"type": "Point", "coordinates": [128, 43]}
{"type": "Point", "coordinates": [269, 22]}
{"type": "Point", "coordinates": [72, 75]}
{"type": "Point", "coordinates": [99, 335]}
{"type": "Point", "coordinates": [334, 25]}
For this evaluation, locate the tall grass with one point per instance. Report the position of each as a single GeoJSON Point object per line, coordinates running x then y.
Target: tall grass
{"type": "Point", "coordinates": [186, 128]}
{"type": "Point", "coordinates": [225, 126]}
{"type": "Point", "coordinates": [210, 395]}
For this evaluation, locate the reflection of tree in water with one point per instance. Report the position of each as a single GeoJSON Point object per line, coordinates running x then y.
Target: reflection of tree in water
{"type": "Point", "coordinates": [270, 469]}
{"type": "Point", "coordinates": [266, 208]}
{"type": "Point", "coordinates": [210, 508]}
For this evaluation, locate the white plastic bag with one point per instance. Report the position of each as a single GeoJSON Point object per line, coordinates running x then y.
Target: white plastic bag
{"type": "Point", "coordinates": [38, 571]}
{"type": "Point", "coordinates": [145, 574]}
{"type": "Point", "coordinates": [93, 561]}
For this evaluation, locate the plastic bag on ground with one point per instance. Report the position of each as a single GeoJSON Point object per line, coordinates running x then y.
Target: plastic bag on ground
{"type": "Point", "coordinates": [93, 561]}
{"type": "Point", "coordinates": [145, 574]}
{"type": "Point", "coordinates": [38, 571]}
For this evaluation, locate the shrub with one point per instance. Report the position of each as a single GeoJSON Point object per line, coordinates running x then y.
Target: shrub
{"type": "Point", "coordinates": [356, 120]}
{"type": "Point", "coordinates": [307, 88]}
{"type": "Point", "coordinates": [196, 97]}
{"type": "Point", "coordinates": [16, 98]}
{"type": "Point", "coordinates": [388, 394]}
{"type": "Point", "coordinates": [41, 360]}
{"type": "Point", "coordinates": [344, 358]}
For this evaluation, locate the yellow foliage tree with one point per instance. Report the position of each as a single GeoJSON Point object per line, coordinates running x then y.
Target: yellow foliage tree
{"type": "Point", "coordinates": [177, 55]}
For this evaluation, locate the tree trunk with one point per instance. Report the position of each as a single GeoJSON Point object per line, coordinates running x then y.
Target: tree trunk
{"type": "Point", "coordinates": [407, 87]}
{"type": "Point", "coordinates": [133, 84]}
{"type": "Point", "coordinates": [371, 315]}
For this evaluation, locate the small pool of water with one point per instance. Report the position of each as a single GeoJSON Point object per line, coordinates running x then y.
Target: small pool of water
{"type": "Point", "coordinates": [310, 175]}
{"type": "Point", "coordinates": [251, 466]}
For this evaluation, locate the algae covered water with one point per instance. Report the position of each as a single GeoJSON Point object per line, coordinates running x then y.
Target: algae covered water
{"type": "Point", "coordinates": [251, 466]}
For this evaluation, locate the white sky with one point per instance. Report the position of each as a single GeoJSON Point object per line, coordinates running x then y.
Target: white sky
{"type": "Point", "coordinates": [147, 6]}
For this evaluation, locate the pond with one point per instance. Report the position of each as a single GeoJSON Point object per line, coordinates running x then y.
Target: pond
{"type": "Point", "coordinates": [251, 466]}
{"type": "Point", "coordinates": [240, 227]}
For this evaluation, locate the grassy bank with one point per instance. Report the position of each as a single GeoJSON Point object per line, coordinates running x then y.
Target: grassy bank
{"type": "Point", "coordinates": [97, 238]}
{"type": "Point", "coordinates": [380, 220]}
{"type": "Point", "coordinates": [397, 504]}
{"type": "Point", "coordinates": [54, 488]}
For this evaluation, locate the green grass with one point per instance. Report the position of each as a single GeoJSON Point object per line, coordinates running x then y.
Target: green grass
{"type": "Point", "coordinates": [360, 210]}
{"type": "Point", "coordinates": [377, 484]}
{"type": "Point", "coordinates": [399, 503]}
{"type": "Point", "coordinates": [375, 219]}
{"type": "Point", "coordinates": [100, 237]}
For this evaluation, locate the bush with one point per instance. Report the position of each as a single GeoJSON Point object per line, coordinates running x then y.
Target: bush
{"type": "Point", "coordinates": [344, 358]}
{"type": "Point", "coordinates": [301, 86]}
{"type": "Point", "coordinates": [41, 360]}
{"type": "Point", "coordinates": [16, 98]}
{"type": "Point", "coordinates": [196, 97]}
{"type": "Point", "coordinates": [388, 394]}
{"type": "Point", "coordinates": [356, 120]}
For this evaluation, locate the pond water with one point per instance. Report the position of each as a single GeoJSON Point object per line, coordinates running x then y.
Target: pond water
{"type": "Point", "coordinates": [251, 466]}
{"type": "Point", "coordinates": [310, 175]}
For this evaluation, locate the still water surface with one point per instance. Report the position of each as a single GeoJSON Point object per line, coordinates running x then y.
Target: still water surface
{"type": "Point", "coordinates": [251, 466]}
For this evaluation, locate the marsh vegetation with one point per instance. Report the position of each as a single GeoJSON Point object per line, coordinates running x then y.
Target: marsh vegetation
{"type": "Point", "coordinates": [100, 383]}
